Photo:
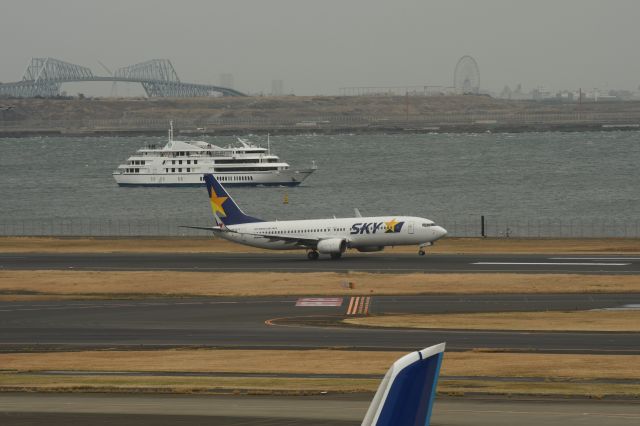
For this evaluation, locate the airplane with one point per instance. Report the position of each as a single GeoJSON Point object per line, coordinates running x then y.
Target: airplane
{"type": "Point", "coordinates": [326, 236]}
{"type": "Point", "coordinates": [406, 393]}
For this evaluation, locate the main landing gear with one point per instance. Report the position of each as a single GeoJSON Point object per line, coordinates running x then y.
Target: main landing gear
{"type": "Point", "coordinates": [421, 252]}
{"type": "Point", "coordinates": [314, 255]}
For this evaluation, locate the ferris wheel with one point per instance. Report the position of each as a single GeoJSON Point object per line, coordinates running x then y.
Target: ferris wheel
{"type": "Point", "coordinates": [466, 77]}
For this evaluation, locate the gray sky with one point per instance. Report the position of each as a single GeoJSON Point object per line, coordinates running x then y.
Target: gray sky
{"type": "Point", "coordinates": [316, 47]}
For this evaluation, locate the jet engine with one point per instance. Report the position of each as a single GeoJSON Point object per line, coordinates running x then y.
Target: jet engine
{"type": "Point", "coordinates": [370, 248]}
{"type": "Point", "coordinates": [332, 245]}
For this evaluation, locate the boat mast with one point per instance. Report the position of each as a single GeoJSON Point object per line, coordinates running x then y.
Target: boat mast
{"type": "Point", "coordinates": [268, 145]}
{"type": "Point", "coordinates": [171, 131]}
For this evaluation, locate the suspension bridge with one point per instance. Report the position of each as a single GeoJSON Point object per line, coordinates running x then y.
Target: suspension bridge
{"type": "Point", "coordinates": [44, 77]}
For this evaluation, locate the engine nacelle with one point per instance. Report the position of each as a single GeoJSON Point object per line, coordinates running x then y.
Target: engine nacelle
{"type": "Point", "coordinates": [370, 248]}
{"type": "Point", "coordinates": [332, 245]}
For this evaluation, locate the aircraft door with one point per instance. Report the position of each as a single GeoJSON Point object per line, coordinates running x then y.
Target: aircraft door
{"type": "Point", "coordinates": [410, 227]}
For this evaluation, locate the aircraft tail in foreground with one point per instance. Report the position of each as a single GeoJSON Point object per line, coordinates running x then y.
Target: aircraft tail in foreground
{"type": "Point", "coordinates": [405, 395]}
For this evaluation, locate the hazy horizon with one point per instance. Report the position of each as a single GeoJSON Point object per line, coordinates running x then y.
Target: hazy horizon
{"type": "Point", "coordinates": [319, 47]}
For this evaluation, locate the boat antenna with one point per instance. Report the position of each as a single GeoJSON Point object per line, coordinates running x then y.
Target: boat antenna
{"type": "Point", "coordinates": [171, 131]}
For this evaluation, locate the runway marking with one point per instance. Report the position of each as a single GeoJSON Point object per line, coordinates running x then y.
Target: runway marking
{"type": "Point", "coordinates": [359, 305]}
{"type": "Point", "coordinates": [594, 258]}
{"type": "Point", "coordinates": [552, 263]}
{"type": "Point", "coordinates": [549, 413]}
{"type": "Point", "coordinates": [319, 301]}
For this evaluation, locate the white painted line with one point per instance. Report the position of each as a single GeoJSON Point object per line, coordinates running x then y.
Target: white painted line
{"type": "Point", "coordinates": [319, 301]}
{"type": "Point", "coordinates": [552, 263]}
{"type": "Point", "coordinates": [594, 258]}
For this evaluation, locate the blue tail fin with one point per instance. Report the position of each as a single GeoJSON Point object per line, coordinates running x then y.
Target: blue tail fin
{"type": "Point", "coordinates": [224, 208]}
{"type": "Point", "coordinates": [405, 395]}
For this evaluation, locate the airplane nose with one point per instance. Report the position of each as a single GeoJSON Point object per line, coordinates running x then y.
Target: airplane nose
{"type": "Point", "coordinates": [440, 231]}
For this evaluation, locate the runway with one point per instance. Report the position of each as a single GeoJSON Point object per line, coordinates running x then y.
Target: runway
{"type": "Point", "coordinates": [73, 409]}
{"type": "Point", "coordinates": [244, 323]}
{"type": "Point", "coordinates": [297, 262]}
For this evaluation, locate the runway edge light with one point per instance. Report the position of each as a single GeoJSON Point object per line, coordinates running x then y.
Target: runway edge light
{"type": "Point", "coordinates": [406, 394]}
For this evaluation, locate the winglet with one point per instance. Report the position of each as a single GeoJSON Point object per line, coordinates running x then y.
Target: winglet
{"type": "Point", "coordinates": [357, 212]}
{"type": "Point", "coordinates": [225, 210]}
{"type": "Point", "coordinates": [405, 395]}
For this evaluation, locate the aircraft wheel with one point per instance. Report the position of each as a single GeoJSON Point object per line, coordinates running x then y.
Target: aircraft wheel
{"type": "Point", "coordinates": [335, 256]}
{"type": "Point", "coordinates": [421, 252]}
{"type": "Point", "coordinates": [313, 255]}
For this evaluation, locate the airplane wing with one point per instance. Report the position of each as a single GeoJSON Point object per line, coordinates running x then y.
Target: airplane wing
{"type": "Point", "coordinates": [302, 242]}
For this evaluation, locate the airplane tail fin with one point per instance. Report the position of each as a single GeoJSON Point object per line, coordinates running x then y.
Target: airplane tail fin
{"type": "Point", "coordinates": [225, 210]}
{"type": "Point", "coordinates": [405, 395]}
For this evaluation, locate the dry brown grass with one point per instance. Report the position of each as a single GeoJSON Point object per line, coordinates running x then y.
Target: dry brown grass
{"type": "Point", "coordinates": [556, 370]}
{"type": "Point", "coordinates": [170, 283]}
{"type": "Point", "coordinates": [295, 386]}
{"type": "Point", "coordinates": [190, 384]}
{"type": "Point", "coordinates": [322, 361]}
{"type": "Point", "coordinates": [210, 245]}
{"type": "Point", "coordinates": [532, 321]}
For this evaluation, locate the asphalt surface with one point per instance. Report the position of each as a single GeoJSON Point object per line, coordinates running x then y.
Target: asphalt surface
{"type": "Point", "coordinates": [244, 323]}
{"type": "Point", "coordinates": [297, 262]}
{"type": "Point", "coordinates": [73, 409]}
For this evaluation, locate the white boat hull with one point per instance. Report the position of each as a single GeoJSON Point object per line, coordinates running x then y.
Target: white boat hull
{"type": "Point", "coordinates": [269, 178]}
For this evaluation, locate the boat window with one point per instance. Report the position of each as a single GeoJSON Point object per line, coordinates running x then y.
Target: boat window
{"type": "Point", "coordinates": [179, 161]}
{"type": "Point", "coordinates": [173, 170]}
{"type": "Point", "coordinates": [188, 169]}
{"type": "Point", "coordinates": [195, 161]}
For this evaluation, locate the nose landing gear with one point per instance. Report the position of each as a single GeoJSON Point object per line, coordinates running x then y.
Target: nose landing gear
{"type": "Point", "coordinates": [421, 251]}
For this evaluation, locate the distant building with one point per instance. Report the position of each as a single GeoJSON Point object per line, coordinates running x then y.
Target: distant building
{"type": "Point", "coordinates": [226, 80]}
{"type": "Point", "coordinates": [277, 87]}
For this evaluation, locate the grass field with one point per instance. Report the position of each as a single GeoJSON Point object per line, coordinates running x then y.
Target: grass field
{"type": "Point", "coordinates": [24, 371]}
{"type": "Point", "coordinates": [606, 321]}
{"type": "Point", "coordinates": [17, 285]}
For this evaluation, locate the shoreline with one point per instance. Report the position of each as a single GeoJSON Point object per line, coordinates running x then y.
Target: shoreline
{"type": "Point", "coordinates": [322, 130]}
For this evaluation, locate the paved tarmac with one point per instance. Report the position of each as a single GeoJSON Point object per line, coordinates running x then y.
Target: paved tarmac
{"type": "Point", "coordinates": [242, 323]}
{"type": "Point", "coordinates": [74, 409]}
{"type": "Point", "coordinates": [352, 261]}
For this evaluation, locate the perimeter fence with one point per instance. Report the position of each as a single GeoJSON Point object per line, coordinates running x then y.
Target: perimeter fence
{"type": "Point", "coordinates": [462, 227]}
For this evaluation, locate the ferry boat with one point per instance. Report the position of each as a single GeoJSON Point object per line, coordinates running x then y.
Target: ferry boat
{"type": "Point", "coordinates": [183, 163]}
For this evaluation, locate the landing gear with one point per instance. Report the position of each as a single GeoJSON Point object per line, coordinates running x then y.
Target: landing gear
{"type": "Point", "coordinates": [335, 256]}
{"type": "Point", "coordinates": [313, 255]}
{"type": "Point", "coordinates": [421, 251]}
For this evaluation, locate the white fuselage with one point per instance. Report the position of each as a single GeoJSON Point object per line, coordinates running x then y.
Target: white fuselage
{"type": "Point", "coordinates": [364, 233]}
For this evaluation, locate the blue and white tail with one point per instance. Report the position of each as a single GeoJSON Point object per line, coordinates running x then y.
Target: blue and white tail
{"type": "Point", "coordinates": [225, 210]}
{"type": "Point", "coordinates": [405, 395]}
